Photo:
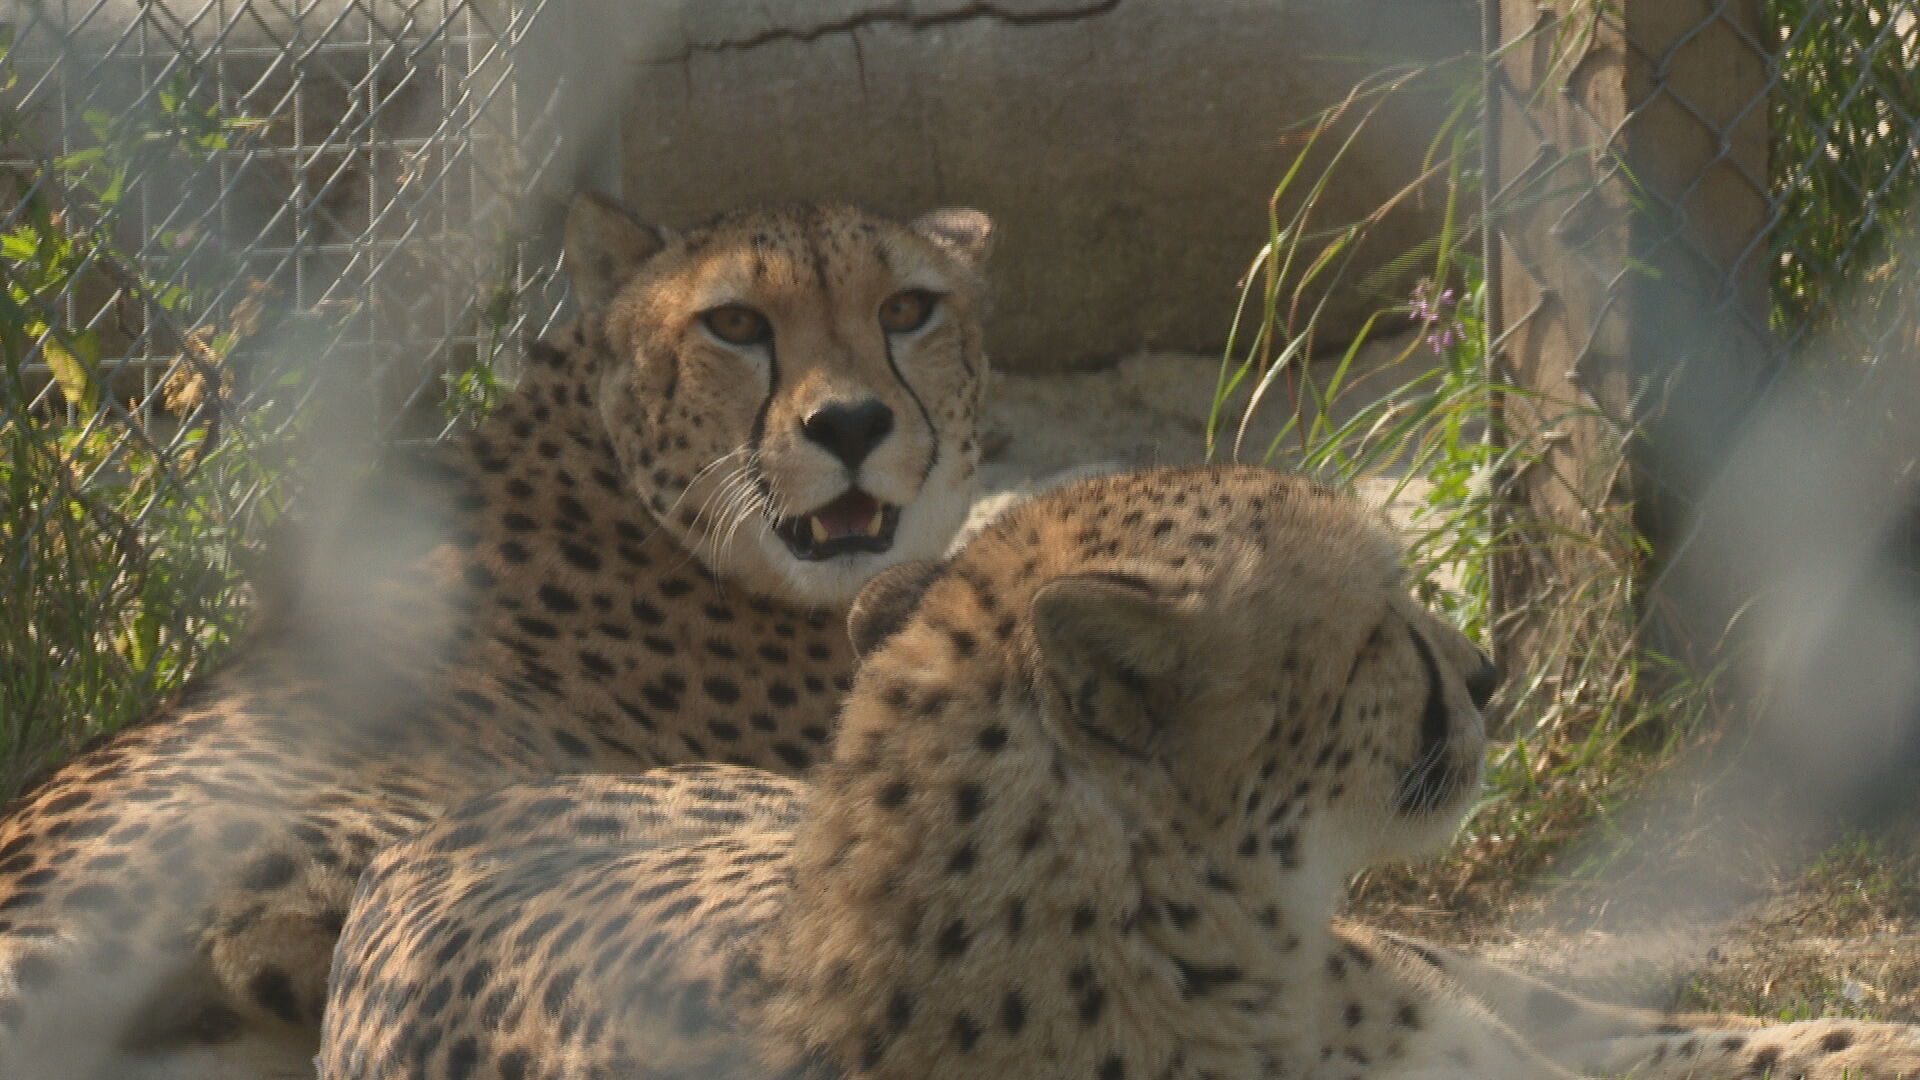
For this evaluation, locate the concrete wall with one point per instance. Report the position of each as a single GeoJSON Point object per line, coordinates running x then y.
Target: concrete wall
{"type": "Point", "coordinates": [1128, 149]}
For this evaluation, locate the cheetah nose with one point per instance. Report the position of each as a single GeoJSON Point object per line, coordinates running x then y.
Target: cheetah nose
{"type": "Point", "coordinates": [1482, 682]}
{"type": "Point", "coordinates": [850, 432]}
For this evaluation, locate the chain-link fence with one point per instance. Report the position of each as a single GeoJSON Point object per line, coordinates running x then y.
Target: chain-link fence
{"type": "Point", "coordinates": [212, 211]}
{"type": "Point", "coordinates": [1684, 195]}
{"type": "Point", "coordinates": [1702, 259]}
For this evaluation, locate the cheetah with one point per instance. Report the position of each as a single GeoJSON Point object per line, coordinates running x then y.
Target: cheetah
{"type": "Point", "coordinates": [1098, 787]}
{"type": "Point", "coordinates": [643, 557]}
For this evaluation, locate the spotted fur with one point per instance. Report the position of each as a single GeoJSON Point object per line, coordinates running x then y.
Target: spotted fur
{"type": "Point", "coordinates": [593, 582]}
{"type": "Point", "coordinates": [1099, 785]}
{"type": "Point", "coordinates": [1101, 780]}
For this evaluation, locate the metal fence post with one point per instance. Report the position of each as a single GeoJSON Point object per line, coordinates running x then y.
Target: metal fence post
{"type": "Point", "coordinates": [1630, 204]}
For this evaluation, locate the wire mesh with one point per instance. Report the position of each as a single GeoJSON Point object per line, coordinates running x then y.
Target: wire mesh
{"type": "Point", "coordinates": [212, 211]}
{"type": "Point", "coordinates": [1689, 199]}
{"type": "Point", "coordinates": [1702, 258]}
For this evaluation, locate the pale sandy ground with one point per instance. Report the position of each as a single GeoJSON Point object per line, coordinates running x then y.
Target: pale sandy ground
{"type": "Point", "coordinates": [1152, 409]}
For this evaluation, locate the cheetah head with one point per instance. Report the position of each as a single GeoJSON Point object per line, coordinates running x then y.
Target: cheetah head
{"type": "Point", "coordinates": [793, 391]}
{"type": "Point", "coordinates": [1233, 643]}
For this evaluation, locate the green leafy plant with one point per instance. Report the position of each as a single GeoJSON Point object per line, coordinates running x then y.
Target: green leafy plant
{"type": "Point", "coordinates": [121, 511]}
{"type": "Point", "coordinates": [1847, 184]}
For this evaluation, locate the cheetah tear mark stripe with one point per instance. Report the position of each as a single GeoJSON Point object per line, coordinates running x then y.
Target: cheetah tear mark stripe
{"type": "Point", "coordinates": [1353, 669]}
{"type": "Point", "coordinates": [673, 376]}
{"type": "Point", "coordinates": [759, 430]}
{"type": "Point", "coordinates": [1421, 789]}
{"type": "Point", "coordinates": [933, 458]}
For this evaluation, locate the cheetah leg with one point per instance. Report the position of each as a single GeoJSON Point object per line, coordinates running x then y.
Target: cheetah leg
{"type": "Point", "coordinates": [1392, 1014]}
{"type": "Point", "coordinates": [270, 938]}
{"type": "Point", "coordinates": [1550, 1018]}
{"type": "Point", "coordinates": [147, 1013]}
{"type": "Point", "coordinates": [1828, 1049]}
{"type": "Point", "coordinates": [236, 991]}
{"type": "Point", "coordinates": [1598, 1039]}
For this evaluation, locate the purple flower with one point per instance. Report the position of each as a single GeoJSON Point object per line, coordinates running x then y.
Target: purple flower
{"type": "Point", "coordinates": [1443, 327]}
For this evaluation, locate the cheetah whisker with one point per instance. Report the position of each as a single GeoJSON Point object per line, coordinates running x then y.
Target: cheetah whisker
{"type": "Point", "coordinates": [723, 459]}
{"type": "Point", "coordinates": [713, 507]}
{"type": "Point", "coordinates": [724, 506]}
{"type": "Point", "coordinates": [711, 516]}
{"type": "Point", "coordinates": [748, 502]}
{"type": "Point", "coordinates": [1431, 764]}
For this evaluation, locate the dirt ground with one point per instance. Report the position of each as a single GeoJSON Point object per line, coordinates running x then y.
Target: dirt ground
{"type": "Point", "coordinates": [1832, 929]}
{"type": "Point", "coordinates": [1839, 938]}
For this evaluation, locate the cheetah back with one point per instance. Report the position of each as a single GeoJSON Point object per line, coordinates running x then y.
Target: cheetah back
{"type": "Point", "coordinates": [609, 935]}
{"type": "Point", "coordinates": [1068, 829]}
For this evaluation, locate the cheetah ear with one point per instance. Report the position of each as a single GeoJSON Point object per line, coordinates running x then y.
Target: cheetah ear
{"type": "Point", "coordinates": [603, 246]}
{"type": "Point", "coordinates": [886, 602]}
{"type": "Point", "coordinates": [1112, 639]}
{"type": "Point", "coordinates": [965, 234]}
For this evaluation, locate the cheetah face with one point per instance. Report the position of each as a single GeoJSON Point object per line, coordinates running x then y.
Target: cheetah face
{"type": "Point", "coordinates": [794, 392]}
{"type": "Point", "coordinates": [1353, 719]}
{"type": "Point", "coordinates": [1256, 656]}
{"type": "Point", "coordinates": [1415, 697]}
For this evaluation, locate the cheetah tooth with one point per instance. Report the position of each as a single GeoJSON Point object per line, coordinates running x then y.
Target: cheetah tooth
{"type": "Point", "coordinates": [877, 522]}
{"type": "Point", "coordinates": [819, 528]}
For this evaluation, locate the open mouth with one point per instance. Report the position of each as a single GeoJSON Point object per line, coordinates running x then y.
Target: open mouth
{"type": "Point", "coordinates": [854, 522]}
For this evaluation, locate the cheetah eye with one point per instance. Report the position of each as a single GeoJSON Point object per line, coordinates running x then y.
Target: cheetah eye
{"type": "Point", "coordinates": [907, 310]}
{"type": "Point", "coordinates": [737, 324]}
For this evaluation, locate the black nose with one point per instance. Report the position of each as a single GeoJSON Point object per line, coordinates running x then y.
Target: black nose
{"type": "Point", "coordinates": [1482, 682]}
{"type": "Point", "coordinates": [850, 432]}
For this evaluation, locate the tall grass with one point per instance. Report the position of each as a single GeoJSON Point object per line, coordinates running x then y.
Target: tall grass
{"type": "Point", "coordinates": [1590, 714]}
{"type": "Point", "coordinates": [1577, 728]}
{"type": "Point", "coordinates": [133, 503]}
{"type": "Point", "coordinates": [121, 513]}
{"type": "Point", "coordinates": [123, 572]}
{"type": "Point", "coordinates": [125, 507]}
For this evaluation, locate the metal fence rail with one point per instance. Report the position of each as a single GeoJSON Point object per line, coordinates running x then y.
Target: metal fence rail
{"type": "Point", "coordinates": [356, 162]}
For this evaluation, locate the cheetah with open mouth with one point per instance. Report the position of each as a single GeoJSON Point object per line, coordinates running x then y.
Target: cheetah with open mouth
{"type": "Point", "coordinates": [643, 557]}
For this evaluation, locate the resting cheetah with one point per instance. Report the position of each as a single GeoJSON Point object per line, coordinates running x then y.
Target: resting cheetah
{"type": "Point", "coordinates": [643, 557]}
{"type": "Point", "coordinates": [1099, 785]}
